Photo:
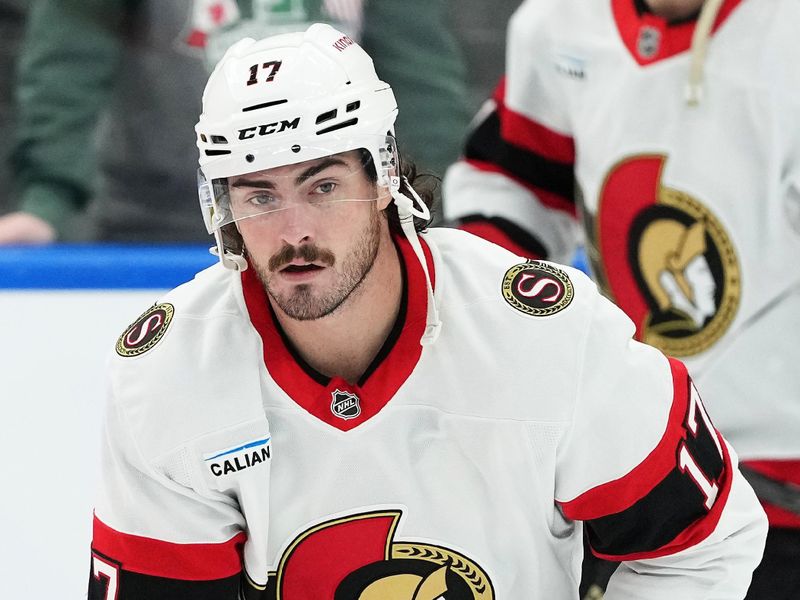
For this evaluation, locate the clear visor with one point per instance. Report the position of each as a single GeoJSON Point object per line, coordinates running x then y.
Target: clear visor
{"type": "Point", "coordinates": [320, 184]}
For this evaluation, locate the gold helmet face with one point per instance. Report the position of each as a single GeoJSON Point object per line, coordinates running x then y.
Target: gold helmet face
{"type": "Point", "coordinates": [665, 258]}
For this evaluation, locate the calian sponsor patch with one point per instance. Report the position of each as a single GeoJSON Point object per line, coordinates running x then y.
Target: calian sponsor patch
{"type": "Point", "coordinates": [239, 458]}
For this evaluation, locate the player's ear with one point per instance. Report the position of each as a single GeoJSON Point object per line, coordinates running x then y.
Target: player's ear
{"type": "Point", "coordinates": [384, 199]}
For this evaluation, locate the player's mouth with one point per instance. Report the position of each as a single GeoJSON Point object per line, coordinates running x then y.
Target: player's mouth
{"type": "Point", "coordinates": [301, 271]}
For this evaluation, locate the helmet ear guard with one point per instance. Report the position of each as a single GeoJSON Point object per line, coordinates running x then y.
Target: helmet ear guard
{"type": "Point", "coordinates": [389, 160]}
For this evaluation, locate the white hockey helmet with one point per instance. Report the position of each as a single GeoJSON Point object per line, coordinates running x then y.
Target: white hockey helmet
{"type": "Point", "coordinates": [288, 99]}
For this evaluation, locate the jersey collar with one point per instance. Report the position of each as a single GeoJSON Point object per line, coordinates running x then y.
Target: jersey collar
{"type": "Point", "coordinates": [650, 38]}
{"type": "Point", "coordinates": [333, 400]}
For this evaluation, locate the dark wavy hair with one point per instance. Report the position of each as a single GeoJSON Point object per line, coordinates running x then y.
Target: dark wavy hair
{"type": "Point", "coordinates": [424, 184]}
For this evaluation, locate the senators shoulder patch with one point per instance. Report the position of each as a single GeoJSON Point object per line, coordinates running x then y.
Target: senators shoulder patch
{"type": "Point", "coordinates": [536, 288]}
{"type": "Point", "coordinates": [146, 331]}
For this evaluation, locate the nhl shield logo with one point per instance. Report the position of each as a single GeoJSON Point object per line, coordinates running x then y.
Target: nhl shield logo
{"type": "Point", "coordinates": [345, 405]}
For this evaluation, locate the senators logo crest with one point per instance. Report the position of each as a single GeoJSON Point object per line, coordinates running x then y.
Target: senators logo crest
{"type": "Point", "coordinates": [537, 288]}
{"type": "Point", "coordinates": [146, 331]}
{"type": "Point", "coordinates": [358, 558]}
{"type": "Point", "coordinates": [664, 258]}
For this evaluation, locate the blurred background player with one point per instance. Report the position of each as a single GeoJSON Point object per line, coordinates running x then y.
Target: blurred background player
{"type": "Point", "coordinates": [96, 75]}
{"type": "Point", "coordinates": [667, 134]}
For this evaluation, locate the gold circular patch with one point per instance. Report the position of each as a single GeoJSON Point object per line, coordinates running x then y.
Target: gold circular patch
{"type": "Point", "coordinates": [146, 331]}
{"type": "Point", "coordinates": [664, 257]}
{"type": "Point", "coordinates": [536, 288]}
{"type": "Point", "coordinates": [692, 327]}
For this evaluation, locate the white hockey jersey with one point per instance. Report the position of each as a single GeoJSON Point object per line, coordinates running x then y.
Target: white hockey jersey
{"type": "Point", "coordinates": [691, 214]}
{"type": "Point", "coordinates": [464, 469]}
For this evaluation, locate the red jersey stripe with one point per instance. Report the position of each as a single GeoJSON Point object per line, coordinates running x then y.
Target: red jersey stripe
{"type": "Point", "coordinates": [526, 133]}
{"type": "Point", "coordinates": [780, 470]}
{"type": "Point", "coordinates": [615, 496]}
{"type": "Point", "coordinates": [148, 556]}
{"type": "Point", "coordinates": [492, 233]}
{"type": "Point", "coordinates": [695, 533]}
{"type": "Point", "coordinates": [618, 495]}
{"type": "Point", "coordinates": [549, 199]}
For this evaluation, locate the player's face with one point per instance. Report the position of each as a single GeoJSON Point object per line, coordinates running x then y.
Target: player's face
{"type": "Point", "coordinates": [313, 254]}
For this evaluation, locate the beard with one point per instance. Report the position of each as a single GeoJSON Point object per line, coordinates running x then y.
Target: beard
{"type": "Point", "coordinates": [301, 302]}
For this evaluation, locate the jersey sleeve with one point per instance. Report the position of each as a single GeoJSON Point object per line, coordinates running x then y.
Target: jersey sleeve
{"type": "Point", "coordinates": [155, 536]}
{"type": "Point", "coordinates": [516, 174]}
{"type": "Point", "coordinates": [654, 482]}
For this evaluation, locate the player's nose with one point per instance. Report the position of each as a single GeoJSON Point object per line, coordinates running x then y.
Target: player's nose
{"type": "Point", "coordinates": [299, 223]}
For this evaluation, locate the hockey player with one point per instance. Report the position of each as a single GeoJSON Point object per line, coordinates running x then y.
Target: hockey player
{"type": "Point", "coordinates": [674, 137]}
{"type": "Point", "coordinates": [345, 409]}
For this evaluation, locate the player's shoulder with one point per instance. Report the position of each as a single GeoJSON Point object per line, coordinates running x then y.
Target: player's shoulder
{"type": "Point", "coordinates": [779, 62]}
{"type": "Point", "coordinates": [776, 19]}
{"type": "Point", "coordinates": [484, 276]}
{"type": "Point", "coordinates": [183, 357]}
{"type": "Point", "coordinates": [528, 319]}
{"type": "Point", "coordinates": [756, 48]}
{"type": "Point", "coordinates": [787, 8]}
{"type": "Point", "coordinates": [183, 339]}
{"type": "Point", "coordinates": [187, 308]}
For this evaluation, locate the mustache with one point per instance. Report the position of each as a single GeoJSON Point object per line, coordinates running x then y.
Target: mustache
{"type": "Point", "coordinates": [307, 252]}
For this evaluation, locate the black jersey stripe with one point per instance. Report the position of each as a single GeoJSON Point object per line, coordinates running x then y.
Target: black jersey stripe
{"type": "Point", "coordinates": [519, 236]}
{"type": "Point", "coordinates": [486, 144]}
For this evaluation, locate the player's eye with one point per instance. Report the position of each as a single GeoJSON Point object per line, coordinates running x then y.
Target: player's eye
{"type": "Point", "coordinates": [262, 200]}
{"type": "Point", "coordinates": [325, 187]}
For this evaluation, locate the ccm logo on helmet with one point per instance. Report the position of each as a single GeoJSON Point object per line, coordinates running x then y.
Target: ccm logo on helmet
{"type": "Point", "coordinates": [251, 132]}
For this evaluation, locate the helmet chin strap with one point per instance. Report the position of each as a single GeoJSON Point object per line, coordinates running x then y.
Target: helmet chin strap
{"type": "Point", "coordinates": [407, 210]}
